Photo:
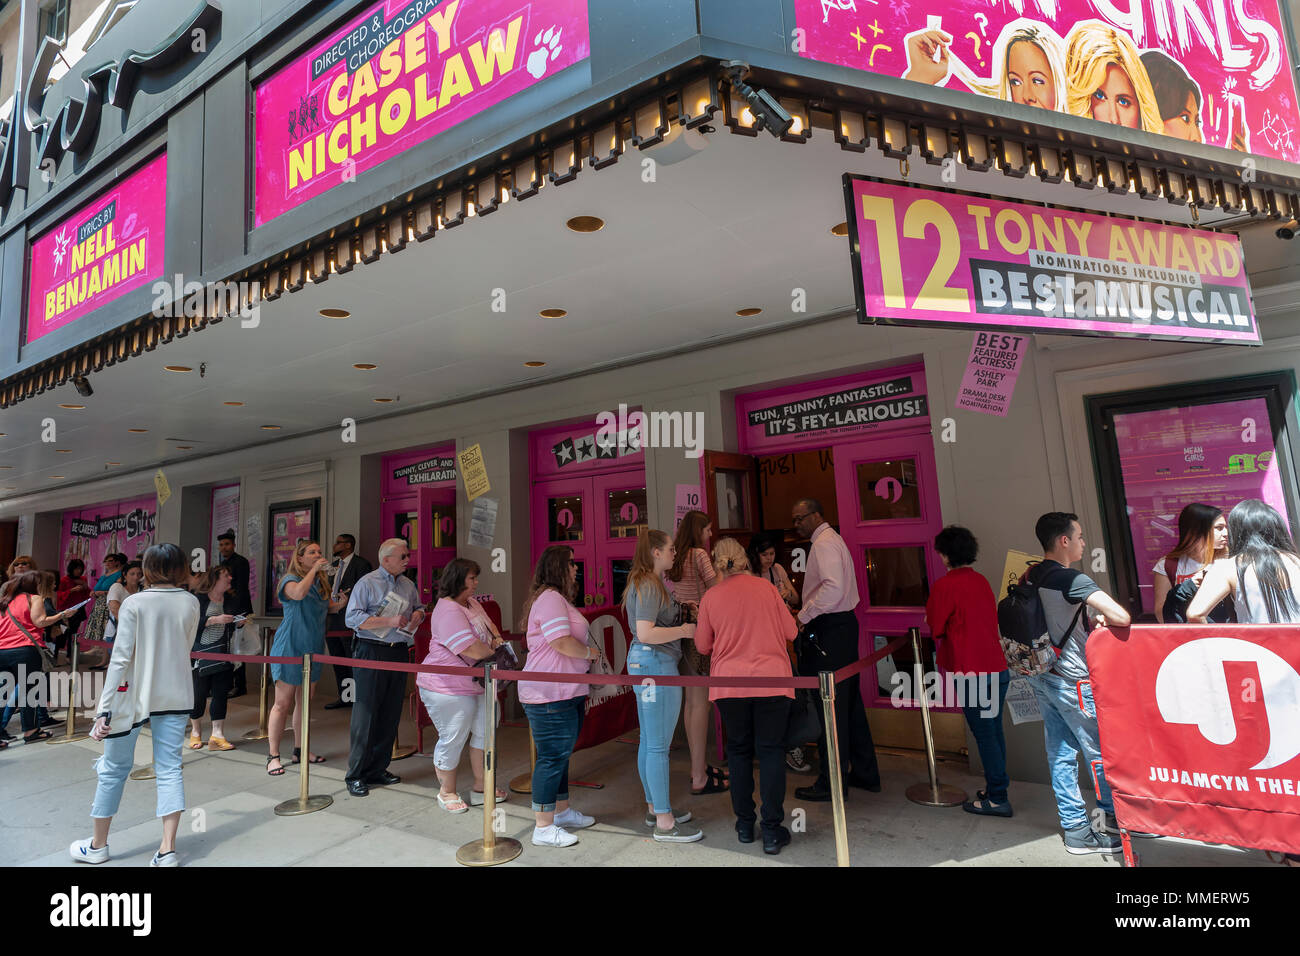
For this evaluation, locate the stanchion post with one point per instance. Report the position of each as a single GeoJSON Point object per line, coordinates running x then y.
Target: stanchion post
{"type": "Point", "coordinates": [490, 850]}
{"type": "Point", "coordinates": [262, 706]}
{"type": "Point", "coordinates": [524, 782]}
{"type": "Point", "coordinates": [931, 793]}
{"type": "Point", "coordinates": [74, 693]}
{"type": "Point", "coordinates": [306, 803]}
{"type": "Point", "coordinates": [826, 680]}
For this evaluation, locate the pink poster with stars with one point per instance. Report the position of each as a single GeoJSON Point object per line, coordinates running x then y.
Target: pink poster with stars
{"type": "Point", "coordinates": [1212, 71]}
{"type": "Point", "coordinates": [107, 248]}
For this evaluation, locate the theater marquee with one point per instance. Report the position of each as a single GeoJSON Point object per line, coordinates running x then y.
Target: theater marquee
{"type": "Point", "coordinates": [941, 259]}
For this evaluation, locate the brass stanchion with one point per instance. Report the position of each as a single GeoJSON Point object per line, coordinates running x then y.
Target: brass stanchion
{"type": "Point", "coordinates": [70, 727]}
{"type": "Point", "coordinates": [524, 782]}
{"type": "Point", "coordinates": [826, 680]}
{"type": "Point", "coordinates": [306, 803]}
{"type": "Point", "coordinates": [490, 850]}
{"type": "Point", "coordinates": [929, 793]}
{"type": "Point", "coordinates": [400, 752]}
{"type": "Point", "coordinates": [262, 705]}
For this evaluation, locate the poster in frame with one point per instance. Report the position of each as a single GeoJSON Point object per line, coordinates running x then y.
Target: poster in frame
{"type": "Point", "coordinates": [289, 522]}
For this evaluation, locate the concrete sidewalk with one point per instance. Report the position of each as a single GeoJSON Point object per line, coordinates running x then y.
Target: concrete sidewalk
{"type": "Point", "coordinates": [46, 792]}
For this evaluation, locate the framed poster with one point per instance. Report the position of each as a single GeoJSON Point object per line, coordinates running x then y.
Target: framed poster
{"type": "Point", "coordinates": [289, 522]}
{"type": "Point", "coordinates": [1159, 450]}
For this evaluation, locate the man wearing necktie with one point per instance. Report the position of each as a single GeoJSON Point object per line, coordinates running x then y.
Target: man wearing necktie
{"type": "Point", "coordinates": [383, 612]}
{"type": "Point", "coordinates": [349, 568]}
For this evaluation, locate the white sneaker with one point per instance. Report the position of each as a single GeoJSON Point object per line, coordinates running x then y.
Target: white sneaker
{"type": "Point", "coordinates": [164, 859]}
{"type": "Point", "coordinates": [553, 836]}
{"type": "Point", "coordinates": [571, 819]}
{"type": "Point", "coordinates": [82, 853]}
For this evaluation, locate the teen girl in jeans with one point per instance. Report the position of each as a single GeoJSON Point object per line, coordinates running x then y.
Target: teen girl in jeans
{"type": "Point", "coordinates": [655, 651]}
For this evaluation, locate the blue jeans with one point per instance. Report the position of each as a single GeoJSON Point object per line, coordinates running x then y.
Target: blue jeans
{"type": "Point", "coordinates": [989, 736]}
{"type": "Point", "coordinates": [555, 728]}
{"type": "Point", "coordinates": [119, 754]}
{"type": "Point", "coordinates": [657, 708]}
{"type": "Point", "coordinates": [1068, 732]}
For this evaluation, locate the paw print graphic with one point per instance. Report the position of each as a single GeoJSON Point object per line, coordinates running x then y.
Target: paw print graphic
{"type": "Point", "coordinates": [548, 49]}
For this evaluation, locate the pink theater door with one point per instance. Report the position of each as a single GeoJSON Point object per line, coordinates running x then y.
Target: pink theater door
{"type": "Point", "coordinates": [599, 518]}
{"type": "Point", "coordinates": [888, 517]}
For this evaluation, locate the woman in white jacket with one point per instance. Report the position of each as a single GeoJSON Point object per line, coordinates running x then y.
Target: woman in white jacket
{"type": "Point", "coordinates": [148, 679]}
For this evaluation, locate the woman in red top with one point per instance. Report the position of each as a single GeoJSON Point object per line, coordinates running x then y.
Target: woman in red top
{"type": "Point", "coordinates": [745, 625]}
{"type": "Point", "coordinates": [963, 617]}
{"type": "Point", "coordinates": [22, 618]}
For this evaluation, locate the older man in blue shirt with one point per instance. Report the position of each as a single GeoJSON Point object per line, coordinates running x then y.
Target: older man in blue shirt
{"type": "Point", "coordinates": [383, 613]}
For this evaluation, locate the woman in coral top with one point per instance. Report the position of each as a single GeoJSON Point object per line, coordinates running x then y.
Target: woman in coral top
{"type": "Point", "coordinates": [745, 626]}
{"type": "Point", "coordinates": [963, 618]}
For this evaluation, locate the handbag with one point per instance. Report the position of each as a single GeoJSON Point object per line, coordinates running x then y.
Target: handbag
{"type": "Point", "coordinates": [803, 724]}
{"type": "Point", "coordinates": [47, 658]}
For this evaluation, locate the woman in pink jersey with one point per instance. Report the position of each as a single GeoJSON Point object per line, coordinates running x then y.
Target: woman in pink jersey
{"type": "Point", "coordinates": [557, 643]}
{"type": "Point", "coordinates": [460, 634]}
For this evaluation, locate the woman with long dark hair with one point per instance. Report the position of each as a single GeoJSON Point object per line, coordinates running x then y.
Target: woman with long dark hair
{"type": "Point", "coordinates": [212, 678]}
{"type": "Point", "coordinates": [557, 643]}
{"type": "Point", "coordinates": [22, 619]}
{"type": "Point", "coordinates": [690, 576]}
{"type": "Point", "coordinates": [657, 633]}
{"type": "Point", "coordinates": [1262, 572]}
{"type": "Point", "coordinates": [148, 679]}
{"type": "Point", "coordinates": [1202, 539]}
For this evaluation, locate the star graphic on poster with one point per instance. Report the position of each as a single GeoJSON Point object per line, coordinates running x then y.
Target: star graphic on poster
{"type": "Point", "coordinates": [607, 448]}
{"type": "Point", "coordinates": [586, 448]}
{"type": "Point", "coordinates": [563, 452]}
{"type": "Point", "coordinates": [899, 8]}
{"type": "Point", "coordinates": [61, 247]}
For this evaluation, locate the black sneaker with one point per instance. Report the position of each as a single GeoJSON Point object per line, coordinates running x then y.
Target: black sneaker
{"type": "Point", "coordinates": [1085, 839]}
{"type": "Point", "coordinates": [1112, 826]}
{"type": "Point", "coordinates": [772, 842]}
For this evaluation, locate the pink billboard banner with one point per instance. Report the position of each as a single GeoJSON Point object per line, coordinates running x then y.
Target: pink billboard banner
{"type": "Point", "coordinates": [1217, 454]}
{"type": "Point", "coordinates": [929, 258]}
{"type": "Point", "coordinates": [1208, 71]}
{"type": "Point", "coordinates": [107, 248]}
{"type": "Point", "coordinates": [111, 527]}
{"type": "Point", "coordinates": [991, 372]}
{"type": "Point", "coordinates": [398, 74]}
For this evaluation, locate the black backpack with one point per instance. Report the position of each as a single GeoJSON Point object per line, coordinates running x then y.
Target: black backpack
{"type": "Point", "coordinates": [1180, 596]}
{"type": "Point", "coordinates": [1029, 648]}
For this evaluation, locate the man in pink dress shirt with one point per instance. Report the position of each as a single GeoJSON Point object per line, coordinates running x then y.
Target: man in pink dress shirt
{"type": "Point", "coordinates": [829, 640]}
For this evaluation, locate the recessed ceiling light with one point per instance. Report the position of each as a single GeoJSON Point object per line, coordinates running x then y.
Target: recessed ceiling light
{"type": "Point", "coordinates": [112, 463]}
{"type": "Point", "coordinates": [232, 403]}
{"type": "Point", "coordinates": [365, 366]}
{"type": "Point", "coordinates": [335, 313]}
{"type": "Point", "coordinates": [64, 451]}
{"type": "Point", "coordinates": [72, 406]}
{"type": "Point", "coordinates": [6, 467]}
{"type": "Point", "coordinates": [748, 312]}
{"type": "Point", "coordinates": [383, 401]}
{"type": "Point", "coordinates": [534, 364]}
{"type": "Point", "coordinates": [184, 447]}
{"type": "Point", "coordinates": [840, 229]}
{"type": "Point", "coordinates": [53, 477]}
{"type": "Point", "coordinates": [178, 368]}
{"type": "Point", "coordinates": [586, 224]}
{"type": "Point", "coordinates": [553, 313]}
{"type": "Point", "coordinates": [138, 431]}
{"type": "Point", "coordinates": [270, 428]}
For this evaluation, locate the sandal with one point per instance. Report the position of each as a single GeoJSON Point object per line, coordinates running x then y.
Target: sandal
{"type": "Point", "coordinates": [715, 783]}
{"type": "Point", "coordinates": [196, 742]}
{"type": "Point", "coordinates": [39, 735]}
{"type": "Point", "coordinates": [278, 771]}
{"type": "Point", "coordinates": [477, 797]}
{"type": "Point", "coordinates": [983, 806]}
{"type": "Point", "coordinates": [453, 805]}
{"type": "Point", "coordinates": [220, 743]}
{"type": "Point", "coordinates": [297, 757]}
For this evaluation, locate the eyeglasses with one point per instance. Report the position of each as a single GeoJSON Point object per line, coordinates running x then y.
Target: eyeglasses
{"type": "Point", "coordinates": [797, 518]}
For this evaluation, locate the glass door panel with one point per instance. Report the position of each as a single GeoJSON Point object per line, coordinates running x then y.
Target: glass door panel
{"type": "Point", "coordinates": [562, 515]}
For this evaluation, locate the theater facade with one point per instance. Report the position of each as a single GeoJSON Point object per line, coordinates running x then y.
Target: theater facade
{"type": "Point", "coordinates": [492, 275]}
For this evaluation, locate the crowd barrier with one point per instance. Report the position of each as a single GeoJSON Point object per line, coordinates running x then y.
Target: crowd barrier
{"type": "Point", "coordinates": [493, 849]}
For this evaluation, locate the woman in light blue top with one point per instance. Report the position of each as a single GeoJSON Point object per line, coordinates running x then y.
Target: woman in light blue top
{"type": "Point", "coordinates": [304, 594]}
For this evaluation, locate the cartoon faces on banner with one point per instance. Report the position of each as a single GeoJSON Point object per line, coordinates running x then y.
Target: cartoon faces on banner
{"type": "Point", "coordinates": [1203, 72]}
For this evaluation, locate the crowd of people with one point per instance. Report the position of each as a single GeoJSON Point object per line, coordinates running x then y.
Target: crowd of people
{"type": "Point", "coordinates": [694, 608]}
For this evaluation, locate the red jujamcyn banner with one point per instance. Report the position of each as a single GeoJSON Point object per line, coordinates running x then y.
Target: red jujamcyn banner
{"type": "Point", "coordinates": [611, 708]}
{"type": "Point", "coordinates": [1200, 730]}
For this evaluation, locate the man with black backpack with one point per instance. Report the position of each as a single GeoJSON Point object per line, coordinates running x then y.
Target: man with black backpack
{"type": "Point", "coordinates": [1068, 729]}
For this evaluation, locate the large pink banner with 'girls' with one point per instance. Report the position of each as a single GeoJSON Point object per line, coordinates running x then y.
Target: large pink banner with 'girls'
{"type": "Point", "coordinates": [402, 72]}
{"type": "Point", "coordinates": [923, 257]}
{"type": "Point", "coordinates": [104, 250]}
{"type": "Point", "coordinates": [1212, 71]}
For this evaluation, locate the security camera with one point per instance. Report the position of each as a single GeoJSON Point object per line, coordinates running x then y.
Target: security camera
{"type": "Point", "coordinates": [80, 383]}
{"type": "Point", "coordinates": [768, 113]}
{"type": "Point", "coordinates": [1286, 232]}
